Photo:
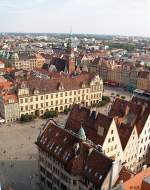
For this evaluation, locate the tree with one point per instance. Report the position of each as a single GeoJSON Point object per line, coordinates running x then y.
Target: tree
{"type": "Point", "coordinates": [50, 114]}
{"type": "Point", "coordinates": [26, 117]}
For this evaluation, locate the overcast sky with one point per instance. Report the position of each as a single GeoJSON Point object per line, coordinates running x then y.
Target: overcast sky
{"type": "Point", "coordinates": [126, 17]}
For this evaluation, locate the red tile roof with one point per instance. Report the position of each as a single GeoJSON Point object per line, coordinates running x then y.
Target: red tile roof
{"type": "Point", "coordinates": [90, 122]}
{"type": "Point", "coordinates": [78, 157]}
{"type": "Point", "coordinates": [124, 175]}
{"type": "Point", "coordinates": [7, 97]}
{"type": "Point", "coordinates": [52, 85]}
{"type": "Point", "coordinates": [136, 182]}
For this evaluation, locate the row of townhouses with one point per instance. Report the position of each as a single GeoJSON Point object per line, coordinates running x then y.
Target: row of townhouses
{"type": "Point", "coordinates": [92, 150]}
{"type": "Point", "coordinates": [123, 135]}
{"type": "Point", "coordinates": [128, 75]}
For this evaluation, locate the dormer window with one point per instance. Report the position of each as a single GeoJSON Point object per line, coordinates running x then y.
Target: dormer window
{"type": "Point", "coordinates": [36, 91]}
{"type": "Point", "coordinates": [83, 85]}
{"type": "Point", "coordinates": [61, 87]}
{"type": "Point", "coordinates": [10, 101]}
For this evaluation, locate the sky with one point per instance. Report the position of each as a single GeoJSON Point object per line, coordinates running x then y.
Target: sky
{"type": "Point", "coordinates": [123, 17]}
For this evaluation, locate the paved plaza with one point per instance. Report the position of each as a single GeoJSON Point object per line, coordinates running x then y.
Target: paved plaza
{"type": "Point", "coordinates": [18, 152]}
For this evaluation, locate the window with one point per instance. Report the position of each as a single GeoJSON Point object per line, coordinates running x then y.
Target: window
{"type": "Point", "coordinates": [41, 105]}
{"type": "Point", "coordinates": [78, 91]}
{"type": "Point", "coordinates": [26, 108]}
{"type": "Point", "coordinates": [46, 96]}
{"type": "Point", "coordinates": [21, 100]}
{"type": "Point", "coordinates": [46, 103]}
{"type": "Point", "coordinates": [56, 95]}
{"type": "Point", "coordinates": [112, 131]}
{"type": "Point", "coordinates": [41, 97]}
{"type": "Point", "coordinates": [31, 106]}
{"type": "Point", "coordinates": [36, 106]}
{"type": "Point", "coordinates": [74, 182]}
{"type": "Point", "coordinates": [61, 94]}
{"type": "Point", "coordinates": [74, 92]}
{"type": "Point", "coordinates": [36, 98]}
{"type": "Point", "coordinates": [70, 93]}
{"type": "Point", "coordinates": [21, 108]}
{"type": "Point", "coordinates": [31, 99]}
{"type": "Point", "coordinates": [109, 140]}
{"type": "Point", "coordinates": [65, 93]}
{"type": "Point", "coordinates": [65, 100]}
{"type": "Point", "coordinates": [112, 138]}
{"type": "Point", "coordinates": [26, 100]}
{"type": "Point", "coordinates": [51, 103]}
{"type": "Point", "coordinates": [51, 96]}
{"type": "Point", "coordinates": [56, 102]}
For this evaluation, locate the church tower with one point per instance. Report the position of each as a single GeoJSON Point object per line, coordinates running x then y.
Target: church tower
{"type": "Point", "coordinates": [71, 61]}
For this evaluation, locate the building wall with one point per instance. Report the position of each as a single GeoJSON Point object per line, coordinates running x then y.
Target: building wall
{"type": "Point", "coordinates": [56, 176]}
{"type": "Point", "coordinates": [112, 145]}
{"type": "Point", "coordinates": [11, 112]}
{"type": "Point", "coordinates": [144, 144]}
{"type": "Point", "coordinates": [58, 100]}
{"type": "Point", "coordinates": [143, 84]}
{"type": "Point", "coordinates": [130, 152]}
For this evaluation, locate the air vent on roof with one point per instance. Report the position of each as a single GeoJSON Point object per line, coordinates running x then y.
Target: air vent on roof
{"type": "Point", "coordinates": [65, 139]}
{"type": "Point", "coordinates": [57, 134]}
{"type": "Point", "coordinates": [90, 151]}
{"type": "Point", "coordinates": [86, 167]}
{"type": "Point", "coordinates": [96, 174]}
{"type": "Point", "coordinates": [90, 170]}
{"type": "Point", "coordinates": [100, 177]}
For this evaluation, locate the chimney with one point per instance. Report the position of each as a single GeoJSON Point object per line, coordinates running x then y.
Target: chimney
{"type": "Point", "coordinates": [127, 110]}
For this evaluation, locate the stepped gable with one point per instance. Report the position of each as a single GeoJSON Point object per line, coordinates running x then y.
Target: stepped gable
{"type": "Point", "coordinates": [90, 121]}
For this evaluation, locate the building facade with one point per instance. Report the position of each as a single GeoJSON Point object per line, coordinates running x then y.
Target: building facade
{"type": "Point", "coordinates": [37, 97]}
{"type": "Point", "coordinates": [9, 108]}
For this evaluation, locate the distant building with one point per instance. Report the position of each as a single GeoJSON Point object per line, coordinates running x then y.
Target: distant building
{"type": "Point", "coordinates": [22, 60]}
{"type": "Point", "coordinates": [9, 108]}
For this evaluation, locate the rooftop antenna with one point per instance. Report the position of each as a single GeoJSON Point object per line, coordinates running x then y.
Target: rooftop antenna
{"type": "Point", "coordinates": [71, 30]}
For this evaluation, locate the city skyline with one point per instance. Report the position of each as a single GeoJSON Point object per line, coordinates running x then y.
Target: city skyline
{"type": "Point", "coordinates": [111, 17]}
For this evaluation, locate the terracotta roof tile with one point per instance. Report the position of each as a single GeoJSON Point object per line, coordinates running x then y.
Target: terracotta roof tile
{"type": "Point", "coordinates": [136, 181]}
{"type": "Point", "coordinates": [90, 122]}
{"type": "Point", "coordinates": [78, 157]}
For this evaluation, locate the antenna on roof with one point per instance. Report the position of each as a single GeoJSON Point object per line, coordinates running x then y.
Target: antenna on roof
{"type": "Point", "coordinates": [71, 30]}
